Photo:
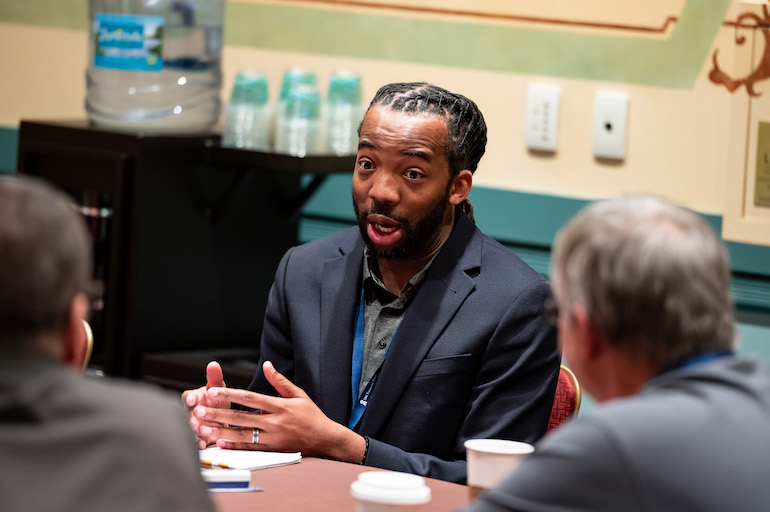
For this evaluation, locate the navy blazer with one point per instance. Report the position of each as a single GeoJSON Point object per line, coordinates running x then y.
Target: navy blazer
{"type": "Point", "coordinates": [474, 356]}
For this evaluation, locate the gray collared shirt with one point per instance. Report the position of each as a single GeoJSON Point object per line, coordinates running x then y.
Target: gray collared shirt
{"type": "Point", "coordinates": [383, 312]}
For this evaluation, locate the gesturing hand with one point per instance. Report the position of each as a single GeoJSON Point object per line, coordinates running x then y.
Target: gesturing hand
{"type": "Point", "coordinates": [291, 422]}
{"type": "Point", "coordinates": [198, 397]}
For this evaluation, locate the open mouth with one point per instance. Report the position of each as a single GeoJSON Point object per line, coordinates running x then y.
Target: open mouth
{"type": "Point", "coordinates": [383, 231]}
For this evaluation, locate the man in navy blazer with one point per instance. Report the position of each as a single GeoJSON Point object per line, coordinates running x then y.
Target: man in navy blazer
{"type": "Point", "coordinates": [392, 343]}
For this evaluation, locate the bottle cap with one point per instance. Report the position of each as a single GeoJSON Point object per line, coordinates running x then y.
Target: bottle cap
{"type": "Point", "coordinates": [250, 87]}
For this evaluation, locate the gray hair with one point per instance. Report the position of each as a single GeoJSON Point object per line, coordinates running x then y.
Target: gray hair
{"type": "Point", "coordinates": [653, 277]}
{"type": "Point", "coordinates": [45, 260]}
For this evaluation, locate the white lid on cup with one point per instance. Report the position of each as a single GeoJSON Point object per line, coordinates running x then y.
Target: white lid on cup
{"type": "Point", "coordinates": [390, 487]}
{"type": "Point", "coordinates": [501, 446]}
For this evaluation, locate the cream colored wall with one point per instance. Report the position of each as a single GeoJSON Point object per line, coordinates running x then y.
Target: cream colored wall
{"type": "Point", "coordinates": [676, 146]}
{"type": "Point", "coordinates": [675, 143]}
{"type": "Point", "coordinates": [44, 73]}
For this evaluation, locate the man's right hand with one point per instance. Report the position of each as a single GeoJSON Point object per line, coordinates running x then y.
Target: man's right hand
{"type": "Point", "coordinates": [194, 397]}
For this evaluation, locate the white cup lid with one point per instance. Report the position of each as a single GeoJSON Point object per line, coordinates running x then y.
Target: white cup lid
{"type": "Point", "coordinates": [500, 446]}
{"type": "Point", "coordinates": [390, 487]}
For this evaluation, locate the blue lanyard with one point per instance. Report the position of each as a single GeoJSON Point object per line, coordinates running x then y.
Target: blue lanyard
{"type": "Point", "coordinates": [360, 402]}
{"type": "Point", "coordinates": [699, 359]}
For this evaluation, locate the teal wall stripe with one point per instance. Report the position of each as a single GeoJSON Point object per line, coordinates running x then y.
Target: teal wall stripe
{"type": "Point", "coordinates": [524, 222]}
{"type": "Point", "coordinates": [752, 342]}
{"type": "Point", "coordinates": [313, 228]}
{"type": "Point", "coordinates": [521, 218]}
{"type": "Point", "coordinates": [751, 259]}
{"type": "Point", "coordinates": [9, 145]}
{"type": "Point", "coordinates": [527, 223]}
{"type": "Point", "coordinates": [332, 199]}
{"type": "Point", "coordinates": [751, 292]}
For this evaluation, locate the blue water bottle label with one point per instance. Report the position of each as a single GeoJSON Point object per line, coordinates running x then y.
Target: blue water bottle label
{"type": "Point", "coordinates": [128, 42]}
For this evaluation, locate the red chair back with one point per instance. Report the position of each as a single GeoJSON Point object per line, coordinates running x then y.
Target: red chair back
{"type": "Point", "coordinates": [566, 402]}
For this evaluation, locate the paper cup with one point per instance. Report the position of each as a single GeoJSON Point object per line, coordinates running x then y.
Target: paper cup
{"type": "Point", "coordinates": [490, 460]}
{"type": "Point", "coordinates": [389, 491]}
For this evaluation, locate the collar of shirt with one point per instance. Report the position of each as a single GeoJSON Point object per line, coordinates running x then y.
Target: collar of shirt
{"type": "Point", "coordinates": [383, 312]}
{"type": "Point", "coordinates": [375, 289]}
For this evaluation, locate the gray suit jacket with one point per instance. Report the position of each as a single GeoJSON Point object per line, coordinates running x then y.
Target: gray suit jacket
{"type": "Point", "coordinates": [69, 442]}
{"type": "Point", "coordinates": [474, 357]}
{"type": "Point", "coordinates": [692, 439]}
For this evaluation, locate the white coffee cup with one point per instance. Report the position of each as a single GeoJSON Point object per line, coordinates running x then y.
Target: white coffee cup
{"type": "Point", "coordinates": [490, 460]}
{"type": "Point", "coordinates": [389, 491]}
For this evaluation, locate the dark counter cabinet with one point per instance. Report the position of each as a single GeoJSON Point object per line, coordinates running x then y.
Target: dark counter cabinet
{"type": "Point", "coordinates": [187, 236]}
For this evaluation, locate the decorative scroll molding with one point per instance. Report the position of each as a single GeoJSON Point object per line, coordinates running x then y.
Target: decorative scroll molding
{"type": "Point", "coordinates": [749, 21]}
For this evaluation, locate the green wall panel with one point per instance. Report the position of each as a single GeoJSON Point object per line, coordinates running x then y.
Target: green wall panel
{"type": "Point", "coordinates": [672, 62]}
{"type": "Point", "coordinates": [69, 14]}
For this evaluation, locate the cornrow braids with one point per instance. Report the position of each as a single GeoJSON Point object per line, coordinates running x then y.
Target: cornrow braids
{"type": "Point", "coordinates": [467, 131]}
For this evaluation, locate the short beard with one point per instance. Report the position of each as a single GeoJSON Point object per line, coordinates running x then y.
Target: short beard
{"type": "Point", "coordinates": [415, 236]}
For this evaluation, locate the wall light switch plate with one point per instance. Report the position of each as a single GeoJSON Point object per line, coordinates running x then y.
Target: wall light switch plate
{"type": "Point", "coordinates": [542, 117]}
{"type": "Point", "coordinates": [610, 119]}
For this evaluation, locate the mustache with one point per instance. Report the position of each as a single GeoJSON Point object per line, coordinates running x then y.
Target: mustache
{"type": "Point", "coordinates": [380, 209]}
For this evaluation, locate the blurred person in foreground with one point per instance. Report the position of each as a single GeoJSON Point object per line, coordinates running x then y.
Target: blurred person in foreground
{"type": "Point", "coordinates": [645, 320]}
{"type": "Point", "coordinates": [445, 321]}
{"type": "Point", "coordinates": [69, 442]}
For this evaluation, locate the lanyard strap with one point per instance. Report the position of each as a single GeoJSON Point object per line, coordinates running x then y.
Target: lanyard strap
{"type": "Point", "coordinates": [360, 402]}
{"type": "Point", "coordinates": [699, 359]}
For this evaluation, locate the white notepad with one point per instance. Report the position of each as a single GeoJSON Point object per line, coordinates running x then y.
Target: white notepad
{"type": "Point", "coordinates": [246, 459]}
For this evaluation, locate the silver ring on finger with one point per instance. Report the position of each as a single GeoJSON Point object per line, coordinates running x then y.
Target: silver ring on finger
{"type": "Point", "coordinates": [255, 436]}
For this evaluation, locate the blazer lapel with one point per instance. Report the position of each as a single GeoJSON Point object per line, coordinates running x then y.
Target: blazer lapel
{"type": "Point", "coordinates": [448, 284]}
{"type": "Point", "coordinates": [339, 299]}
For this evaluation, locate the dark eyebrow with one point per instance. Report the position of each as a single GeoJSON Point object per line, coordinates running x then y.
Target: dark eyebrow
{"type": "Point", "coordinates": [365, 144]}
{"type": "Point", "coordinates": [362, 143]}
{"type": "Point", "coordinates": [418, 154]}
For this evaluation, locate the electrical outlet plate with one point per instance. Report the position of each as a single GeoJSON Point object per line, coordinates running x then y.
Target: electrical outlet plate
{"type": "Point", "coordinates": [609, 125]}
{"type": "Point", "coordinates": [542, 117]}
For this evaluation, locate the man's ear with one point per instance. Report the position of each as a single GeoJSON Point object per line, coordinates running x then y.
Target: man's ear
{"type": "Point", "coordinates": [461, 187]}
{"type": "Point", "coordinates": [75, 337]}
{"type": "Point", "coordinates": [592, 341]}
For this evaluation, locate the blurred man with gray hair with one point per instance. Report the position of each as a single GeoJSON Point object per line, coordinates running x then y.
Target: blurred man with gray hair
{"type": "Point", "coordinates": [645, 320]}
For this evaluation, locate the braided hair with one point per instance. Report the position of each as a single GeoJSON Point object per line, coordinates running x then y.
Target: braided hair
{"type": "Point", "coordinates": [466, 129]}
